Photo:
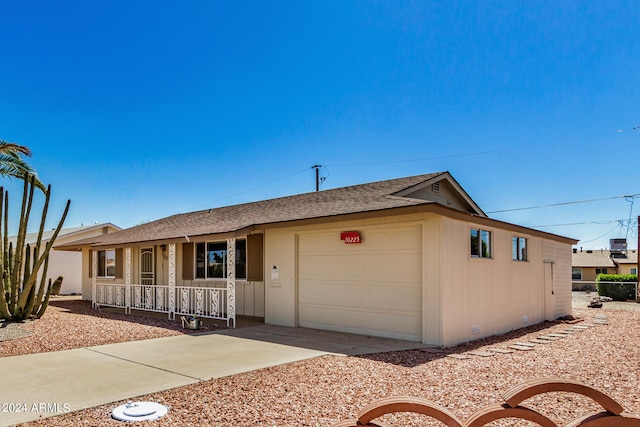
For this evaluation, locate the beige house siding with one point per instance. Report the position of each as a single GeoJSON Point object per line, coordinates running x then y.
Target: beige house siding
{"type": "Point", "coordinates": [280, 273]}
{"type": "Point", "coordinates": [445, 195]}
{"type": "Point", "coordinates": [433, 269]}
{"type": "Point", "coordinates": [461, 298]}
{"type": "Point", "coordinates": [484, 297]}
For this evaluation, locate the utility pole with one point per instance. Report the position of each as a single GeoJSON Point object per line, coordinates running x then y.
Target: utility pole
{"type": "Point", "coordinates": [317, 168]}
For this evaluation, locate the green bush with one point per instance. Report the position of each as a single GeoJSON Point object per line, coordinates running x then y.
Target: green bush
{"type": "Point", "coordinates": [618, 292]}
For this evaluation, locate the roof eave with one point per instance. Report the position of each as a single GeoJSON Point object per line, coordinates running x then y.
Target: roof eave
{"type": "Point", "coordinates": [427, 207]}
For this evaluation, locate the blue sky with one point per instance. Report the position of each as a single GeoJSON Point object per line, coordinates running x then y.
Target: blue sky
{"type": "Point", "coordinates": [138, 110]}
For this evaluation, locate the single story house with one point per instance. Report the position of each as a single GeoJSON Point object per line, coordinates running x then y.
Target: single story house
{"type": "Point", "coordinates": [64, 263]}
{"type": "Point", "coordinates": [587, 264]}
{"type": "Point", "coordinates": [412, 258]}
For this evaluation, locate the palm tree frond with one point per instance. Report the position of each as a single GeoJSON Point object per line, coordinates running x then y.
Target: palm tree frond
{"type": "Point", "coordinates": [10, 147]}
{"type": "Point", "coordinates": [12, 165]}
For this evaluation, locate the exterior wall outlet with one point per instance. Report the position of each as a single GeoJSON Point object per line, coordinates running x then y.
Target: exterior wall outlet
{"type": "Point", "coordinates": [525, 319]}
{"type": "Point", "coordinates": [475, 330]}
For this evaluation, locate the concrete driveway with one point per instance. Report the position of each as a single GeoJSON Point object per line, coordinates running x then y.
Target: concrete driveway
{"type": "Point", "coordinates": [47, 384]}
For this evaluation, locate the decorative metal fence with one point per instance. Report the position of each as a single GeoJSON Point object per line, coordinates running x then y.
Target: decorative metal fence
{"type": "Point", "coordinates": [204, 302]}
{"type": "Point", "coordinates": [150, 298]}
{"type": "Point", "coordinates": [111, 295]}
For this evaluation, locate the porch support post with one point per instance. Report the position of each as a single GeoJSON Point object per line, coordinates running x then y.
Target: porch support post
{"type": "Point", "coordinates": [172, 281]}
{"type": "Point", "coordinates": [127, 280]}
{"type": "Point", "coordinates": [231, 281]}
{"type": "Point", "coordinates": [94, 274]}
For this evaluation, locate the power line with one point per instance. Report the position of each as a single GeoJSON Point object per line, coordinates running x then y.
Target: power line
{"type": "Point", "coordinates": [253, 188]}
{"type": "Point", "coordinates": [579, 223]}
{"type": "Point", "coordinates": [599, 237]}
{"type": "Point", "coordinates": [567, 203]}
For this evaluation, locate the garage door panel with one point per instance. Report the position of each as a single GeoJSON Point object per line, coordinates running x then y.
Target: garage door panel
{"type": "Point", "coordinates": [407, 268]}
{"type": "Point", "coordinates": [327, 294]}
{"type": "Point", "coordinates": [372, 288]}
{"type": "Point", "coordinates": [316, 317]}
{"type": "Point", "coordinates": [362, 322]}
{"type": "Point", "coordinates": [392, 297]}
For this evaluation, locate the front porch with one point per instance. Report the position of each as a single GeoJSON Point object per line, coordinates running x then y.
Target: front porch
{"type": "Point", "coordinates": [212, 301]}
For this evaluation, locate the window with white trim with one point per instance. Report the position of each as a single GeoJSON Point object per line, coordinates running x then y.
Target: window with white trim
{"type": "Point", "coordinates": [633, 270]}
{"type": "Point", "coordinates": [107, 263]}
{"type": "Point", "coordinates": [211, 260]}
{"type": "Point", "coordinates": [519, 248]}
{"type": "Point", "coordinates": [480, 243]}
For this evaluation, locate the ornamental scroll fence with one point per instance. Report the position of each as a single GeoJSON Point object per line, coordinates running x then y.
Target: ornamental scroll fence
{"type": "Point", "coordinates": [512, 408]}
{"type": "Point", "coordinates": [207, 302]}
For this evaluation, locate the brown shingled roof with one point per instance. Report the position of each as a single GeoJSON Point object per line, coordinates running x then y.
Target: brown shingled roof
{"type": "Point", "coordinates": [596, 258]}
{"type": "Point", "coordinates": [369, 197]}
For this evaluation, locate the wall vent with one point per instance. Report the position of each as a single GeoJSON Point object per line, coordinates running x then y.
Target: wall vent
{"type": "Point", "coordinates": [435, 187]}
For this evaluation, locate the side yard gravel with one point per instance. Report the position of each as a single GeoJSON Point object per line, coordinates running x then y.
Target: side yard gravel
{"type": "Point", "coordinates": [325, 390]}
{"type": "Point", "coordinates": [72, 323]}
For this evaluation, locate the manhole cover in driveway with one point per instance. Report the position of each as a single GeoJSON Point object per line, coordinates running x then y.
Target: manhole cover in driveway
{"type": "Point", "coordinates": [139, 411]}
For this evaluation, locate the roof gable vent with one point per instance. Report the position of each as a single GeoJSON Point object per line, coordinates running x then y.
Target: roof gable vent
{"type": "Point", "coordinates": [435, 187]}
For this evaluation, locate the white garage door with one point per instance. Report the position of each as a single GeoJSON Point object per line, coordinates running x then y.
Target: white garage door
{"type": "Point", "coordinates": [371, 288]}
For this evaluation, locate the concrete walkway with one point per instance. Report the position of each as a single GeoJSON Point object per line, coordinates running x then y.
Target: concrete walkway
{"type": "Point", "coordinates": [47, 384]}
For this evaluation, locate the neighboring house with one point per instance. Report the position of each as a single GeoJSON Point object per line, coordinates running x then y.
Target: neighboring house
{"type": "Point", "coordinates": [412, 258]}
{"type": "Point", "coordinates": [628, 264]}
{"type": "Point", "coordinates": [64, 263]}
{"type": "Point", "coordinates": [587, 264]}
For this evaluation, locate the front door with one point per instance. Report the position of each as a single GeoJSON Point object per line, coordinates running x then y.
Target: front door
{"type": "Point", "coordinates": [147, 276]}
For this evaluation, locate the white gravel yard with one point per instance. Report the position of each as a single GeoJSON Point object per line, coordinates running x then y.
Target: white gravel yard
{"type": "Point", "coordinates": [328, 389]}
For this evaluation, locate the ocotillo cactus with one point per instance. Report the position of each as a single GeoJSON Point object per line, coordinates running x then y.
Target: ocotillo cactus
{"type": "Point", "coordinates": [20, 298]}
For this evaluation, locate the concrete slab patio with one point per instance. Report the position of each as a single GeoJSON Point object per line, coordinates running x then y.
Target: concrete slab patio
{"type": "Point", "coordinates": [48, 384]}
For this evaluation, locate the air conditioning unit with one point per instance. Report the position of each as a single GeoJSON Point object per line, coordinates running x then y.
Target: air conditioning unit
{"type": "Point", "coordinates": [618, 244]}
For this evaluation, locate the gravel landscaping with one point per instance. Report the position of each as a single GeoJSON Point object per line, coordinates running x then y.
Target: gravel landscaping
{"type": "Point", "coordinates": [71, 323]}
{"type": "Point", "coordinates": [328, 389]}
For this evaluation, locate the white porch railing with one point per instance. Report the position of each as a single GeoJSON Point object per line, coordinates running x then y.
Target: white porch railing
{"type": "Point", "coordinates": [204, 302]}
{"type": "Point", "coordinates": [150, 298]}
{"type": "Point", "coordinates": [209, 302]}
{"type": "Point", "coordinates": [111, 295]}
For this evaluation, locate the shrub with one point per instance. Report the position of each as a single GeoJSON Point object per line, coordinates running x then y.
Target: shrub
{"type": "Point", "coordinates": [617, 291]}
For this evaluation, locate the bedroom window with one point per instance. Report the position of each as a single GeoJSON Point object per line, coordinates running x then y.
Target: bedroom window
{"type": "Point", "coordinates": [107, 263]}
{"type": "Point", "coordinates": [519, 249]}
{"type": "Point", "coordinates": [480, 243]}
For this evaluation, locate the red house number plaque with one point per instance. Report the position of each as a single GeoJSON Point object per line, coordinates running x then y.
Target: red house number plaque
{"type": "Point", "coordinates": [350, 237]}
